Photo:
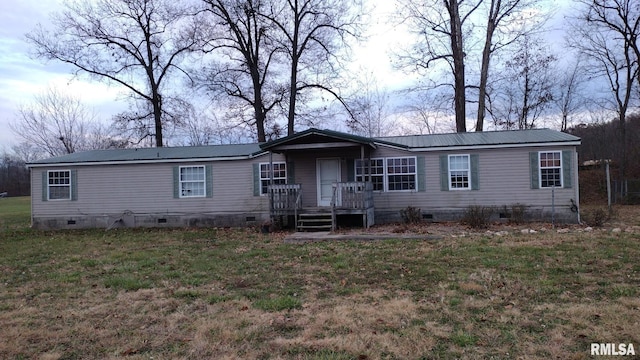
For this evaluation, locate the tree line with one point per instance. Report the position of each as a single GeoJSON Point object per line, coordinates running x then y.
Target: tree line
{"type": "Point", "coordinates": [263, 68]}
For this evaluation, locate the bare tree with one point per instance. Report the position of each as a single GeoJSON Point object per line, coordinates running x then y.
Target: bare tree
{"type": "Point", "coordinates": [606, 32]}
{"type": "Point", "coordinates": [527, 90]}
{"type": "Point", "coordinates": [619, 17]}
{"type": "Point", "coordinates": [369, 107]}
{"type": "Point", "coordinates": [133, 43]}
{"type": "Point", "coordinates": [439, 27]}
{"type": "Point", "coordinates": [314, 34]}
{"type": "Point", "coordinates": [56, 124]}
{"type": "Point", "coordinates": [569, 97]}
{"type": "Point", "coordinates": [423, 114]}
{"type": "Point", "coordinates": [245, 38]}
{"type": "Point", "coordinates": [507, 14]}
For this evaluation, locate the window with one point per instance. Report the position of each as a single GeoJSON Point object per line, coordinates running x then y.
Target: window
{"type": "Point", "coordinates": [550, 169]}
{"type": "Point", "coordinates": [377, 172]}
{"type": "Point", "coordinates": [388, 174]}
{"type": "Point", "coordinates": [192, 181]}
{"type": "Point", "coordinates": [459, 172]}
{"type": "Point", "coordinates": [401, 174]}
{"type": "Point", "coordinates": [59, 185]}
{"type": "Point", "coordinates": [279, 175]}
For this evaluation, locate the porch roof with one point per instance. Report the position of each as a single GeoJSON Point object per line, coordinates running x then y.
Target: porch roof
{"type": "Point", "coordinates": [316, 138]}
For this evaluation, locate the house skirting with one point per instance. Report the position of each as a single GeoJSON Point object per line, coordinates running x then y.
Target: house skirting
{"type": "Point", "coordinates": [543, 214]}
{"type": "Point", "coordinates": [149, 221]}
{"type": "Point", "coordinates": [249, 219]}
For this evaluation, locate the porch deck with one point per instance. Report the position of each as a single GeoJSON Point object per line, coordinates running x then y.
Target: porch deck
{"type": "Point", "coordinates": [348, 198]}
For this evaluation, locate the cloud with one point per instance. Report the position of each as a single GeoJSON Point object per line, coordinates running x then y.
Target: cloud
{"type": "Point", "coordinates": [22, 77]}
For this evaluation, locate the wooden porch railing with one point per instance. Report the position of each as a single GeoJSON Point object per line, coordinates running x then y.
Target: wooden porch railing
{"type": "Point", "coordinates": [284, 198]}
{"type": "Point", "coordinates": [352, 195]}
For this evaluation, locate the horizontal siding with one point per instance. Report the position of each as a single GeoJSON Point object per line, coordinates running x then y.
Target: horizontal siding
{"type": "Point", "coordinates": [504, 179]}
{"type": "Point", "coordinates": [148, 189]}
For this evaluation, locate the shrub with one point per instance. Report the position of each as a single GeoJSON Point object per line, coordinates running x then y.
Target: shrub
{"type": "Point", "coordinates": [477, 216]}
{"type": "Point", "coordinates": [595, 217]}
{"type": "Point", "coordinates": [517, 213]}
{"type": "Point", "coordinates": [411, 215]}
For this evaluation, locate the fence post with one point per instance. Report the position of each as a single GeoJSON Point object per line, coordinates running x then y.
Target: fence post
{"type": "Point", "coordinates": [553, 206]}
{"type": "Point", "coordinates": [608, 184]}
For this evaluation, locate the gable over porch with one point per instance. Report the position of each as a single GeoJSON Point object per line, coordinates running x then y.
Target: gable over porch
{"type": "Point", "coordinates": [321, 164]}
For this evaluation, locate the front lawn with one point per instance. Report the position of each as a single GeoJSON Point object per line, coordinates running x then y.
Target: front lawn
{"type": "Point", "coordinates": [219, 293]}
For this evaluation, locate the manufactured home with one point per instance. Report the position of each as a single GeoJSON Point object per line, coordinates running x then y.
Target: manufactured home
{"type": "Point", "coordinates": [312, 179]}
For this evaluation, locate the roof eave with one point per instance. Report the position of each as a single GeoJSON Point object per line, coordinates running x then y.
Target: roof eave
{"type": "Point", "coordinates": [145, 161]}
{"type": "Point", "coordinates": [494, 146]}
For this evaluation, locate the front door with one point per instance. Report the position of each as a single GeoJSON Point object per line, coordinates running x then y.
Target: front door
{"type": "Point", "coordinates": [328, 172]}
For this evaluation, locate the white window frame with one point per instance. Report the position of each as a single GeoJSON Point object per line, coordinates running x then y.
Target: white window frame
{"type": "Point", "coordinates": [361, 177]}
{"type": "Point", "coordinates": [559, 168]}
{"type": "Point", "coordinates": [414, 173]}
{"type": "Point", "coordinates": [50, 185]}
{"type": "Point", "coordinates": [276, 179]}
{"type": "Point", "coordinates": [181, 190]}
{"type": "Point", "coordinates": [467, 170]}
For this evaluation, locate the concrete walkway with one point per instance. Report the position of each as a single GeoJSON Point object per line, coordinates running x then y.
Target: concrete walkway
{"type": "Point", "coordinates": [306, 237]}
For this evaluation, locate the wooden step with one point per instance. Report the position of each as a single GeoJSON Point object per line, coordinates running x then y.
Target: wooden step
{"type": "Point", "coordinates": [315, 222]}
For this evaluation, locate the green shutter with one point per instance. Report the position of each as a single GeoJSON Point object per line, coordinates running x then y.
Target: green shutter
{"type": "Point", "coordinates": [74, 185]}
{"type": "Point", "coordinates": [444, 173]}
{"type": "Point", "coordinates": [351, 170]}
{"type": "Point", "coordinates": [534, 170]}
{"type": "Point", "coordinates": [291, 174]}
{"type": "Point", "coordinates": [208, 184]}
{"type": "Point", "coordinates": [176, 182]}
{"type": "Point", "coordinates": [475, 180]}
{"type": "Point", "coordinates": [422, 176]}
{"type": "Point", "coordinates": [45, 186]}
{"type": "Point", "coordinates": [566, 168]}
{"type": "Point", "coordinates": [256, 179]}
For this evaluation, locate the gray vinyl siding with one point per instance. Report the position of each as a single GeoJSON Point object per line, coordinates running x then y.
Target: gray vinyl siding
{"type": "Point", "coordinates": [503, 178]}
{"type": "Point", "coordinates": [149, 189]}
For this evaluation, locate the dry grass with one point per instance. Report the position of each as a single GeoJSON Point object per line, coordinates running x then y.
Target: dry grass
{"type": "Point", "coordinates": [229, 294]}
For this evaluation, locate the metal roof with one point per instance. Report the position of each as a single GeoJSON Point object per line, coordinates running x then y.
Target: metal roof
{"type": "Point", "coordinates": [317, 135]}
{"type": "Point", "coordinates": [220, 152]}
{"type": "Point", "coordinates": [155, 154]}
{"type": "Point", "coordinates": [511, 137]}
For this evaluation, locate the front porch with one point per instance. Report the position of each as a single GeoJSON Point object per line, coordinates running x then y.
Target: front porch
{"type": "Point", "coordinates": [348, 198]}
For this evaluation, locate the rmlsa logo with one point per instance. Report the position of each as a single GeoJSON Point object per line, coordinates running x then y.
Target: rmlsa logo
{"type": "Point", "coordinates": [612, 349]}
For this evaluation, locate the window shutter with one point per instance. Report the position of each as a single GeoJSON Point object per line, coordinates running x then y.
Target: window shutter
{"type": "Point", "coordinates": [444, 173]}
{"type": "Point", "coordinates": [208, 182]}
{"type": "Point", "coordinates": [256, 179]}
{"type": "Point", "coordinates": [566, 168]}
{"type": "Point", "coordinates": [74, 185]}
{"type": "Point", "coordinates": [291, 174]}
{"type": "Point", "coordinates": [475, 180]}
{"type": "Point", "coordinates": [534, 170]}
{"type": "Point", "coordinates": [45, 186]}
{"type": "Point", "coordinates": [351, 170]}
{"type": "Point", "coordinates": [422, 176]}
{"type": "Point", "coordinates": [176, 182]}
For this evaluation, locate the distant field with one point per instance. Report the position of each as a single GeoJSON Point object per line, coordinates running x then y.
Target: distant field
{"type": "Point", "coordinates": [15, 211]}
{"type": "Point", "coordinates": [237, 294]}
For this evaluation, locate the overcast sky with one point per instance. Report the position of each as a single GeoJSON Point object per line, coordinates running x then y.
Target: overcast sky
{"type": "Point", "coordinates": [21, 78]}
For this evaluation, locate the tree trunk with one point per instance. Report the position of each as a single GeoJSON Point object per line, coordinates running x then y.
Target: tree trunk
{"type": "Point", "coordinates": [458, 65]}
{"type": "Point", "coordinates": [293, 91]}
{"type": "Point", "coordinates": [295, 57]}
{"type": "Point", "coordinates": [258, 106]}
{"type": "Point", "coordinates": [157, 117]}
{"type": "Point", "coordinates": [484, 69]}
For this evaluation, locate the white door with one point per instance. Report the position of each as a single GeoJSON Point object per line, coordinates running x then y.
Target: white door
{"type": "Point", "coordinates": [328, 172]}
